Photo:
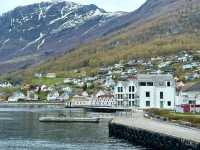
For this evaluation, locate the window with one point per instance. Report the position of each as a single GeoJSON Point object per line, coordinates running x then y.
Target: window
{"type": "Point", "coordinates": [129, 96]}
{"type": "Point", "coordinates": [133, 103]}
{"type": "Point", "coordinates": [147, 94]}
{"type": "Point", "coordinates": [149, 83]}
{"type": "Point", "coordinates": [169, 103]}
{"type": "Point", "coordinates": [161, 104]}
{"type": "Point", "coordinates": [133, 96]}
{"type": "Point", "coordinates": [119, 96]}
{"type": "Point", "coordinates": [168, 84]}
{"type": "Point", "coordinates": [129, 103]}
{"type": "Point", "coordinates": [120, 89]}
{"type": "Point", "coordinates": [142, 83]}
{"type": "Point", "coordinates": [148, 104]}
{"type": "Point", "coordinates": [131, 88]}
{"type": "Point", "coordinates": [161, 95]}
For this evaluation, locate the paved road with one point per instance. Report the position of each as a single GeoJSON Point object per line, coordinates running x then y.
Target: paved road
{"type": "Point", "coordinates": [139, 121]}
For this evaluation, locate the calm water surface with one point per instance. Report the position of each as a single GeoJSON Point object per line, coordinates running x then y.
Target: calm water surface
{"type": "Point", "coordinates": [21, 130]}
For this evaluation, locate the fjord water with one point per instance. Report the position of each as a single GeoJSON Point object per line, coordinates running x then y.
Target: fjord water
{"type": "Point", "coordinates": [21, 130]}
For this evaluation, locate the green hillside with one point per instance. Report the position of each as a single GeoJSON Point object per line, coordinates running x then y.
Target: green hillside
{"type": "Point", "coordinates": [165, 32]}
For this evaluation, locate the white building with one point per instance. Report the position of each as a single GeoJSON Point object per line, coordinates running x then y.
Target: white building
{"type": "Point", "coordinates": [79, 101]}
{"type": "Point", "coordinates": [16, 97]}
{"type": "Point", "coordinates": [147, 91]}
{"type": "Point", "coordinates": [32, 96]}
{"type": "Point", "coordinates": [52, 96]}
{"type": "Point", "coordinates": [51, 75]}
{"type": "Point", "coordinates": [190, 95]}
{"type": "Point", "coordinates": [103, 99]}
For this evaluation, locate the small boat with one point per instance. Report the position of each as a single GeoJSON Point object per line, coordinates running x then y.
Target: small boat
{"type": "Point", "coordinates": [69, 120]}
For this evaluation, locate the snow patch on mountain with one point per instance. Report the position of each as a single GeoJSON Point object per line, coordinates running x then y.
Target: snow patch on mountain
{"type": "Point", "coordinates": [34, 42]}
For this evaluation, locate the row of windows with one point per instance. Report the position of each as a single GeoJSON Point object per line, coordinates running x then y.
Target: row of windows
{"type": "Point", "coordinates": [131, 103]}
{"type": "Point", "coordinates": [119, 96]}
{"type": "Point", "coordinates": [146, 84]}
{"type": "Point", "coordinates": [148, 103]}
{"type": "Point", "coordinates": [105, 103]}
{"type": "Point", "coordinates": [132, 96]}
{"type": "Point", "coordinates": [120, 89]}
{"type": "Point", "coordinates": [151, 84]}
{"type": "Point", "coordinates": [131, 89]}
{"type": "Point", "coordinates": [161, 95]}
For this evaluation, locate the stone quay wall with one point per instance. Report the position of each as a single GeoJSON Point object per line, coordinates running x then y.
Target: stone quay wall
{"type": "Point", "coordinates": [150, 139]}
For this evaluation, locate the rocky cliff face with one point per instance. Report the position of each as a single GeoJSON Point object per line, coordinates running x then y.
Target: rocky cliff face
{"type": "Point", "coordinates": [37, 31]}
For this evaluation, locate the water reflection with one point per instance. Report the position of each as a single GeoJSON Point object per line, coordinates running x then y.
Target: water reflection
{"type": "Point", "coordinates": [23, 131]}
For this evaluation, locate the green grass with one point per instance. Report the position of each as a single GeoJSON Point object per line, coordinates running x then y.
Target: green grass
{"type": "Point", "coordinates": [45, 81]}
{"type": "Point", "coordinates": [8, 91]}
{"type": "Point", "coordinates": [172, 116]}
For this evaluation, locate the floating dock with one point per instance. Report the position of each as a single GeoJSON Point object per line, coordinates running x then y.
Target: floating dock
{"type": "Point", "coordinates": [69, 120]}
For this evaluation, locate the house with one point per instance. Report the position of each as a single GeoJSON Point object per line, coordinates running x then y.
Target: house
{"type": "Point", "coordinates": [79, 101]}
{"type": "Point", "coordinates": [67, 89]}
{"type": "Point", "coordinates": [188, 108]}
{"type": "Point", "coordinates": [2, 97]}
{"type": "Point", "coordinates": [190, 95]}
{"type": "Point", "coordinates": [109, 83]}
{"type": "Point", "coordinates": [38, 75]}
{"type": "Point", "coordinates": [103, 100]}
{"type": "Point", "coordinates": [44, 88]}
{"type": "Point", "coordinates": [16, 97]}
{"type": "Point", "coordinates": [6, 84]}
{"type": "Point", "coordinates": [68, 80]}
{"type": "Point", "coordinates": [147, 91]}
{"type": "Point", "coordinates": [51, 75]}
{"type": "Point", "coordinates": [52, 96]}
{"type": "Point", "coordinates": [32, 96]}
{"type": "Point", "coordinates": [64, 96]}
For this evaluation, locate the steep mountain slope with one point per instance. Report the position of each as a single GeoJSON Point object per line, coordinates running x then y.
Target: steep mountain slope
{"type": "Point", "coordinates": [32, 33]}
{"type": "Point", "coordinates": [159, 27]}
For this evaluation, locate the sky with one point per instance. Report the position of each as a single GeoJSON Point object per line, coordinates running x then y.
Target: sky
{"type": "Point", "coordinates": [108, 5]}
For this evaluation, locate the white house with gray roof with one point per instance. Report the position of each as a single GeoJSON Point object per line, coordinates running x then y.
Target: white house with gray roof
{"type": "Point", "coordinates": [147, 91]}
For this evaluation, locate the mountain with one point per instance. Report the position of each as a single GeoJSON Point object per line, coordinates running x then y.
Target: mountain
{"type": "Point", "coordinates": [158, 27]}
{"type": "Point", "coordinates": [31, 34]}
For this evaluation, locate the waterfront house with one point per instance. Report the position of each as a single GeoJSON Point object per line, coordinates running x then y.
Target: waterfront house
{"type": "Point", "coordinates": [79, 101]}
{"type": "Point", "coordinates": [190, 95]}
{"type": "Point", "coordinates": [147, 91]}
{"type": "Point", "coordinates": [67, 89]}
{"type": "Point", "coordinates": [106, 100]}
{"type": "Point", "coordinates": [52, 96]}
{"type": "Point", "coordinates": [16, 97]}
{"type": "Point", "coordinates": [31, 96]}
{"type": "Point", "coordinates": [64, 96]}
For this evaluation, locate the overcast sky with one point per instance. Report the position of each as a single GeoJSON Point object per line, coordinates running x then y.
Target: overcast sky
{"type": "Point", "coordinates": [109, 5]}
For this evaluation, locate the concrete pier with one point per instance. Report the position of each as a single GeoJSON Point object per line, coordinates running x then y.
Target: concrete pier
{"type": "Point", "coordinates": [155, 134]}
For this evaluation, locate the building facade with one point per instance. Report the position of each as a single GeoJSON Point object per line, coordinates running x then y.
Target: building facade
{"type": "Point", "coordinates": [147, 91]}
